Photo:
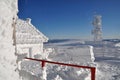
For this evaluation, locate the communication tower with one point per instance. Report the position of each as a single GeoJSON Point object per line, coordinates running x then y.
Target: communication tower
{"type": "Point", "coordinates": [97, 31]}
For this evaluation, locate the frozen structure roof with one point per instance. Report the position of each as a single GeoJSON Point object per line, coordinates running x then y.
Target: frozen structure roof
{"type": "Point", "coordinates": [26, 33]}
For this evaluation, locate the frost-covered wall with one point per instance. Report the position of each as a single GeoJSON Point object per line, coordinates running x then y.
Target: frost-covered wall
{"type": "Point", "coordinates": [8, 12]}
{"type": "Point", "coordinates": [30, 49]}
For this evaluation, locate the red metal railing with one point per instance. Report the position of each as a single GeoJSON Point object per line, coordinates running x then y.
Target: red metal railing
{"type": "Point", "coordinates": [93, 69]}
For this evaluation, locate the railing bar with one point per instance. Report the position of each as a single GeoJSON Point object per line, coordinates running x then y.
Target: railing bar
{"type": "Point", "coordinates": [60, 63]}
{"type": "Point", "coordinates": [93, 69]}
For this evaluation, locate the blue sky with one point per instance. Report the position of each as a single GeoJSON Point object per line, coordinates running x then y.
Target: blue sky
{"type": "Point", "coordinates": [72, 18]}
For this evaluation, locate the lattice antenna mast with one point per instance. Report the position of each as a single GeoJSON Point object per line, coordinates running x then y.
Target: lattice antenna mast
{"type": "Point", "coordinates": [97, 31]}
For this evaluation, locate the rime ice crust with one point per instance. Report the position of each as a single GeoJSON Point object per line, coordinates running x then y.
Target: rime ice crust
{"type": "Point", "coordinates": [8, 11]}
{"type": "Point", "coordinates": [26, 33]}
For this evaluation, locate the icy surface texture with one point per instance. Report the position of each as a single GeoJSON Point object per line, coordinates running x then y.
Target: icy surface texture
{"type": "Point", "coordinates": [8, 13]}
{"type": "Point", "coordinates": [26, 33]}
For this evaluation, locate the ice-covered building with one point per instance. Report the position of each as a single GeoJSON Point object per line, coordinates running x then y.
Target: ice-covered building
{"type": "Point", "coordinates": [28, 40]}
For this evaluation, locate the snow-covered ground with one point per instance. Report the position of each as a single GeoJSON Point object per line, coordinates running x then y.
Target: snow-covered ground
{"type": "Point", "coordinates": [107, 61]}
{"type": "Point", "coordinates": [107, 55]}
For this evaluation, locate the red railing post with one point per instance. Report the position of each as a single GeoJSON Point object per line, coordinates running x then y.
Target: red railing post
{"type": "Point", "coordinates": [43, 63]}
{"type": "Point", "coordinates": [93, 70]}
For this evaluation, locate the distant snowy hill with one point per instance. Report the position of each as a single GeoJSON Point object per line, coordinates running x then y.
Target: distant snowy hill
{"type": "Point", "coordinates": [112, 40]}
{"type": "Point", "coordinates": [66, 42]}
